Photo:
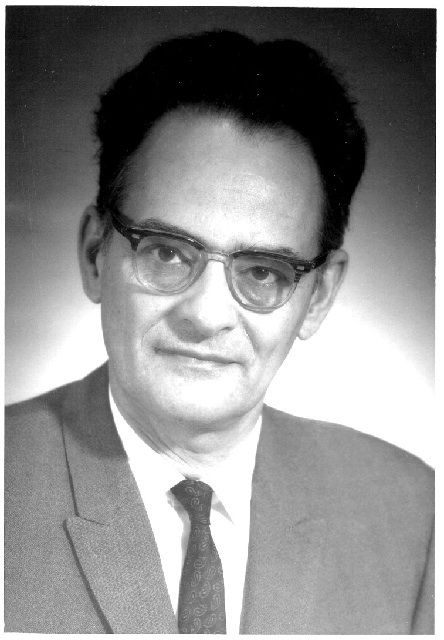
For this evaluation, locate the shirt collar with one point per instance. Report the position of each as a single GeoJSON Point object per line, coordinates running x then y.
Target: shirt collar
{"type": "Point", "coordinates": [144, 461]}
{"type": "Point", "coordinates": [230, 479]}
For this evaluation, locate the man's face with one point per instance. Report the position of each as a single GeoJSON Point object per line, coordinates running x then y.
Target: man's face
{"type": "Point", "coordinates": [198, 356]}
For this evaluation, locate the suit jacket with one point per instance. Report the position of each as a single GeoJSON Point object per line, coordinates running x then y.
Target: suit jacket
{"type": "Point", "coordinates": [340, 540]}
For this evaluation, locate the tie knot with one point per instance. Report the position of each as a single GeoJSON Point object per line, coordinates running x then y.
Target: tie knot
{"type": "Point", "coordinates": [195, 497]}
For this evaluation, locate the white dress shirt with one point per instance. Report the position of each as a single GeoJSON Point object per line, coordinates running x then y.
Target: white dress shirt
{"type": "Point", "coordinates": [156, 474]}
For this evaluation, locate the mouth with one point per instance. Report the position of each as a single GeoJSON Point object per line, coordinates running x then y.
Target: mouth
{"type": "Point", "coordinates": [196, 357]}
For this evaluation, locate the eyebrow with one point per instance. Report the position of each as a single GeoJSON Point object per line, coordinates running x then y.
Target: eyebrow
{"type": "Point", "coordinates": [158, 225]}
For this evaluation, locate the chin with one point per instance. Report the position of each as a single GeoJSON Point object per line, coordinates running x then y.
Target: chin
{"type": "Point", "coordinates": [200, 408]}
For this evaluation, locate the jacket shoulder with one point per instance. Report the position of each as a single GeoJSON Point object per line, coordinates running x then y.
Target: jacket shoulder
{"type": "Point", "coordinates": [29, 418]}
{"type": "Point", "coordinates": [50, 406]}
{"type": "Point", "coordinates": [350, 457]}
{"type": "Point", "coordinates": [33, 428]}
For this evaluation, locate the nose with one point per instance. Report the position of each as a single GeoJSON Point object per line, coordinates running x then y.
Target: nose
{"type": "Point", "coordinates": [207, 307]}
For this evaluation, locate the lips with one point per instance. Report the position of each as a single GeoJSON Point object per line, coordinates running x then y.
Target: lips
{"type": "Point", "coordinates": [196, 355]}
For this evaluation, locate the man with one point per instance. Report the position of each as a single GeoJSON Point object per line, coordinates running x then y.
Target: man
{"type": "Point", "coordinates": [159, 495]}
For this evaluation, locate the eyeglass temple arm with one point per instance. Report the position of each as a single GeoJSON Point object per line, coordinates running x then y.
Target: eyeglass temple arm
{"type": "Point", "coordinates": [309, 265]}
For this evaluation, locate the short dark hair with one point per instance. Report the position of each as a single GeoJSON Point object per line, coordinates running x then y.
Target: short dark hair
{"type": "Point", "coordinates": [283, 83]}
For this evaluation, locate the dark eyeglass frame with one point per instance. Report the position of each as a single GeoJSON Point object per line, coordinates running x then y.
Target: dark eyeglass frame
{"type": "Point", "coordinates": [136, 234]}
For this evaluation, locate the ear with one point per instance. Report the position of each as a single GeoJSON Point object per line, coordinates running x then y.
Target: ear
{"type": "Point", "coordinates": [329, 279]}
{"type": "Point", "coordinates": [90, 252]}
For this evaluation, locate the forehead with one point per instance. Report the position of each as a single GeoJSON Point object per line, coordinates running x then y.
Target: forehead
{"type": "Point", "coordinates": [213, 177]}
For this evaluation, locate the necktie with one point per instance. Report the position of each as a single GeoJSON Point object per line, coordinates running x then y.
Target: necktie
{"type": "Point", "coordinates": [201, 594]}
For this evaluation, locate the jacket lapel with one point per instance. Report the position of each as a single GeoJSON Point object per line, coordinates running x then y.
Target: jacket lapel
{"type": "Point", "coordinates": [286, 537]}
{"type": "Point", "coordinates": [110, 534]}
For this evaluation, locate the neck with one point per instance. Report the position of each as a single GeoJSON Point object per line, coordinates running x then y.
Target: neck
{"type": "Point", "coordinates": [193, 447]}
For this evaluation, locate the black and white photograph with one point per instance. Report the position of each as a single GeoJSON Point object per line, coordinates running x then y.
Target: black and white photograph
{"type": "Point", "coordinates": [219, 320]}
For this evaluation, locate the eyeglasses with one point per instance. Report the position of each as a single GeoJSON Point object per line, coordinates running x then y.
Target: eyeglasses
{"type": "Point", "coordinates": [168, 263]}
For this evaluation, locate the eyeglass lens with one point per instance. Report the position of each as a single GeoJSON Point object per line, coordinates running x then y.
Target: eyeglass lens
{"type": "Point", "coordinates": [169, 265]}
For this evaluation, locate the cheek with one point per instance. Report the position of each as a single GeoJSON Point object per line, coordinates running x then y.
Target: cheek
{"type": "Point", "coordinates": [122, 298]}
{"type": "Point", "coordinates": [122, 306]}
{"type": "Point", "coordinates": [274, 345]}
{"type": "Point", "coordinates": [131, 316]}
{"type": "Point", "coordinates": [275, 333]}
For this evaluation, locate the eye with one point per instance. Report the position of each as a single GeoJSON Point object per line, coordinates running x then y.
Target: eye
{"type": "Point", "coordinates": [262, 272]}
{"type": "Point", "coordinates": [167, 254]}
{"type": "Point", "coordinates": [264, 275]}
{"type": "Point", "coordinates": [165, 263]}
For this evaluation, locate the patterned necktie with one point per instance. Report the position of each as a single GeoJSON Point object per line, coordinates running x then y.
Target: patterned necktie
{"type": "Point", "coordinates": [201, 594]}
